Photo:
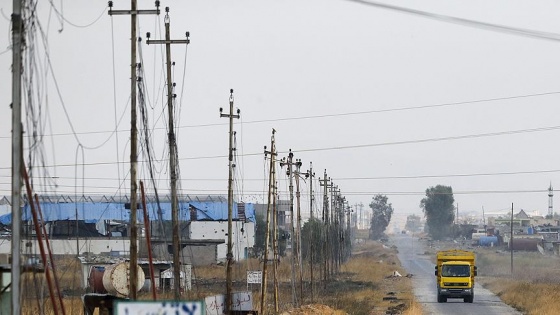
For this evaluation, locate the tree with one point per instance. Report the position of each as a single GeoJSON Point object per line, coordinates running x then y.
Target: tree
{"type": "Point", "coordinates": [382, 212]}
{"type": "Point", "coordinates": [312, 234]}
{"type": "Point", "coordinates": [439, 211]}
{"type": "Point", "coordinates": [260, 230]}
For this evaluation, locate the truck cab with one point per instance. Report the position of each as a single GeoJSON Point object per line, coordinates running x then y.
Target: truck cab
{"type": "Point", "coordinates": [455, 272]}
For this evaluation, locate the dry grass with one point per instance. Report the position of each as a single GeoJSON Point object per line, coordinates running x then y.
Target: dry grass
{"type": "Point", "coordinates": [534, 287]}
{"type": "Point", "coordinates": [358, 288]}
{"type": "Point", "coordinates": [370, 269]}
{"type": "Point", "coordinates": [35, 291]}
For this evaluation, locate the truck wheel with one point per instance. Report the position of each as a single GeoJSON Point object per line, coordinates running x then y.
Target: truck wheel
{"type": "Point", "coordinates": [439, 298]}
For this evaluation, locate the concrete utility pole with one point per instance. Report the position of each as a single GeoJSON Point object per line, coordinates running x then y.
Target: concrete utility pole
{"type": "Point", "coordinates": [361, 218]}
{"type": "Point", "coordinates": [298, 228]}
{"type": "Point", "coordinates": [332, 229]}
{"type": "Point", "coordinates": [275, 242]}
{"type": "Point", "coordinates": [511, 239]}
{"type": "Point", "coordinates": [17, 153]}
{"type": "Point", "coordinates": [271, 180]}
{"type": "Point", "coordinates": [148, 240]}
{"type": "Point", "coordinates": [550, 200]}
{"type": "Point", "coordinates": [349, 229]}
{"type": "Point", "coordinates": [458, 230]}
{"type": "Point", "coordinates": [173, 156]}
{"type": "Point", "coordinates": [231, 116]}
{"type": "Point", "coordinates": [325, 183]}
{"type": "Point", "coordinates": [339, 228]}
{"type": "Point", "coordinates": [290, 173]}
{"type": "Point", "coordinates": [365, 217]}
{"type": "Point", "coordinates": [309, 174]}
{"type": "Point", "coordinates": [133, 282]}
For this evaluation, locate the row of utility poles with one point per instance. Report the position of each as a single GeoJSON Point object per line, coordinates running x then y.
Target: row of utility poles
{"type": "Point", "coordinates": [173, 153]}
{"type": "Point", "coordinates": [334, 235]}
{"type": "Point", "coordinates": [328, 237]}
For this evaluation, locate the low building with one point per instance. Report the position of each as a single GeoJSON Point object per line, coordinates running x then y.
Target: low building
{"type": "Point", "coordinates": [89, 226]}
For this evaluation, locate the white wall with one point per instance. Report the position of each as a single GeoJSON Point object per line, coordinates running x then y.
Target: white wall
{"type": "Point", "coordinates": [241, 241]}
{"type": "Point", "coordinates": [5, 209]}
{"type": "Point", "coordinates": [68, 246]}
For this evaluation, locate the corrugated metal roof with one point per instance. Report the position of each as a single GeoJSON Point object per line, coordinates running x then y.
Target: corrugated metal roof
{"type": "Point", "coordinates": [92, 212]}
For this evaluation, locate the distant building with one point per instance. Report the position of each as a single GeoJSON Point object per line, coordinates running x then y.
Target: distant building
{"type": "Point", "coordinates": [97, 225]}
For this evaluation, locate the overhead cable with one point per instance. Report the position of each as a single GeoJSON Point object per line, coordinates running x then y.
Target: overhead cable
{"type": "Point", "coordinates": [466, 22]}
{"type": "Point", "coordinates": [374, 111]}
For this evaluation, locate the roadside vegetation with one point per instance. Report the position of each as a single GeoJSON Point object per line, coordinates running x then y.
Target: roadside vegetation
{"type": "Point", "coordinates": [364, 285]}
{"type": "Point", "coordinates": [534, 287]}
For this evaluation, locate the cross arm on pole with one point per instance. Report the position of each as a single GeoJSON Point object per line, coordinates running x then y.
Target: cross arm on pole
{"type": "Point", "coordinates": [132, 12]}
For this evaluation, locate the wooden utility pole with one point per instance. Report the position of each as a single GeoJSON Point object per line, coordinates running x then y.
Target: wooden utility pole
{"type": "Point", "coordinates": [133, 269]}
{"type": "Point", "coordinates": [271, 175]}
{"type": "Point", "coordinates": [173, 156]}
{"type": "Point", "coordinates": [231, 116]}
{"type": "Point", "coordinates": [17, 153]}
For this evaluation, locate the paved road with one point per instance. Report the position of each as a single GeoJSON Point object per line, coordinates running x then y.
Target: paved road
{"type": "Point", "coordinates": [420, 265]}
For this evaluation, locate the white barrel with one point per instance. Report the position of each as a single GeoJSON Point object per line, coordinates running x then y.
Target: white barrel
{"type": "Point", "coordinates": [115, 279]}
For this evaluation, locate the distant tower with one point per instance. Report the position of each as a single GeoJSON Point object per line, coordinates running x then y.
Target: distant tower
{"type": "Point", "coordinates": [550, 194]}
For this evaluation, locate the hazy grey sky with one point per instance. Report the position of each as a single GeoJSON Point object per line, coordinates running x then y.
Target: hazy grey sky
{"type": "Point", "coordinates": [350, 87]}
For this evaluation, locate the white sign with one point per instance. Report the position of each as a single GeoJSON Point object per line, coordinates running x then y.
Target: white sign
{"type": "Point", "coordinates": [254, 276]}
{"type": "Point", "coordinates": [241, 301]}
{"type": "Point", "coordinates": [160, 307]}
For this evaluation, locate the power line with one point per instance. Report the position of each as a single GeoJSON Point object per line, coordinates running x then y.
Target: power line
{"type": "Point", "coordinates": [406, 108]}
{"type": "Point", "coordinates": [337, 178]}
{"type": "Point", "coordinates": [61, 16]}
{"type": "Point", "coordinates": [374, 111]}
{"type": "Point", "coordinates": [480, 135]}
{"type": "Point", "coordinates": [349, 193]}
{"type": "Point", "coordinates": [466, 22]}
{"type": "Point", "coordinates": [468, 192]}
{"type": "Point", "coordinates": [358, 146]}
{"type": "Point", "coordinates": [448, 175]}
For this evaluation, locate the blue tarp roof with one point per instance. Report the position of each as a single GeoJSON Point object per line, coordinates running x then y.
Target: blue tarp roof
{"type": "Point", "coordinates": [93, 212]}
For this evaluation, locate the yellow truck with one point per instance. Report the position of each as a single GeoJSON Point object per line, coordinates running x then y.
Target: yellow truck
{"type": "Point", "coordinates": [455, 272]}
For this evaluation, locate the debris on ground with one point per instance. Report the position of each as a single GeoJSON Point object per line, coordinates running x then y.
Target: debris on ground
{"type": "Point", "coordinates": [314, 309]}
{"type": "Point", "coordinates": [397, 309]}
